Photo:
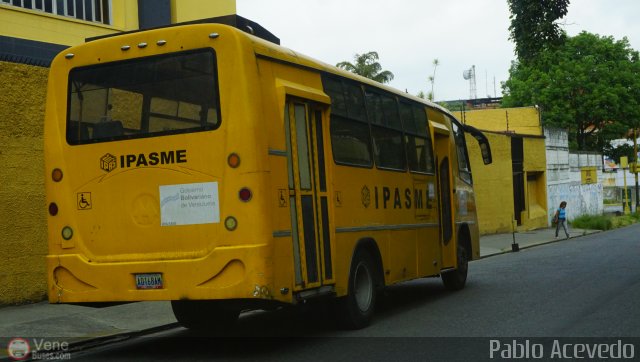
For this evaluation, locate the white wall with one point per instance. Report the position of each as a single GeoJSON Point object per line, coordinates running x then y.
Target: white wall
{"type": "Point", "coordinates": [581, 199]}
{"type": "Point", "coordinates": [564, 179]}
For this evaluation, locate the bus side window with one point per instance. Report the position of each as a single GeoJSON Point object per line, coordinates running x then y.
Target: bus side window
{"type": "Point", "coordinates": [386, 130]}
{"type": "Point", "coordinates": [355, 102]}
{"type": "Point", "coordinates": [388, 146]}
{"type": "Point", "coordinates": [350, 142]}
{"type": "Point", "coordinates": [461, 150]}
{"type": "Point", "coordinates": [418, 144]}
{"type": "Point", "coordinates": [350, 136]}
{"type": "Point", "coordinates": [334, 89]}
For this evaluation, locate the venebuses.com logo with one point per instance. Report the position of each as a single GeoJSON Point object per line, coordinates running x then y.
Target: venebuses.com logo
{"type": "Point", "coordinates": [38, 349]}
{"type": "Point", "coordinates": [18, 349]}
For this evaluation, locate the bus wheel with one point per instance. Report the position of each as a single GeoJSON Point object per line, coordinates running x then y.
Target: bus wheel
{"type": "Point", "coordinates": [204, 315]}
{"type": "Point", "coordinates": [356, 309]}
{"type": "Point", "coordinates": [456, 279]}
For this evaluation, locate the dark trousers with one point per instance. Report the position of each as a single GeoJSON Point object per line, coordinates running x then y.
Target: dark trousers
{"type": "Point", "coordinates": [562, 222]}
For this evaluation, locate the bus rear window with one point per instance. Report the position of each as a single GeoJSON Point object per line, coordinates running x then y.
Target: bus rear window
{"type": "Point", "coordinates": [152, 96]}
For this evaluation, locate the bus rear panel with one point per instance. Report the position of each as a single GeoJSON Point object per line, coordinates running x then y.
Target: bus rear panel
{"type": "Point", "coordinates": [140, 177]}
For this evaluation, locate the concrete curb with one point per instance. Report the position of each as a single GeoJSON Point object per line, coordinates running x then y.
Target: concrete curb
{"type": "Point", "coordinates": [538, 243]}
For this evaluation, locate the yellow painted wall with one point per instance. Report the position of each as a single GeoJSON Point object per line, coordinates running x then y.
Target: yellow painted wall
{"type": "Point", "coordinates": [535, 154]}
{"type": "Point", "coordinates": [493, 215]}
{"type": "Point", "coordinates": [23, 240]}
{"type": "Point", "coordinates": [493, 184]}
{"type": "Point", "coordinates": [525, 120]}
{"type": "Point", "coordinates": [36, 25]}
{"type": "Point", "coordinates": [23, 243]}
{"type": "Point", "coordinates": [188, 10]}
{"type": "Point", "coordinates": [535, 165]}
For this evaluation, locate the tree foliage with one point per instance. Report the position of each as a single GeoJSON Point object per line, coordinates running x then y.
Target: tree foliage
{"type": "Point", "coordinates": [615, 153]}
{"type": "Point", "coordinates": [590, 86]}
{"type": "Point", "coordinates": [534, 26]}
{"type": "Point", "coordinates": [367, 66]}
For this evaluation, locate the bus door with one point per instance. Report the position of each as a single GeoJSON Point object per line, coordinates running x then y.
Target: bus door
{"type": "Point", "coordinates": [443, 165]}
{"type": "Point", "coordinates": [308, 196]}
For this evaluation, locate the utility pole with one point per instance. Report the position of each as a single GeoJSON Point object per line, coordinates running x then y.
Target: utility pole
{"type": "Point", "coordinates": [624, 165]}
{"type": "Point", "coordinates": [635, 157]}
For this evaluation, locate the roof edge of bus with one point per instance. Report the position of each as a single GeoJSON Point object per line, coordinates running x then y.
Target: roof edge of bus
{"type": "Point", "coordinates": [236, 21]}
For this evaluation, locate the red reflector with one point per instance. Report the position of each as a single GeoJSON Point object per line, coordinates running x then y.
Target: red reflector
{"type": "Point", "coordinates": [53, 209]}
{"type": "Point", "coordinates": [245, 194]}
{"type": "Point", "coordinates": [56, 175]}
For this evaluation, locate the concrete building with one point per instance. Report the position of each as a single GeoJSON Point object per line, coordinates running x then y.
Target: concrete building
{"type": "Point", "coordinates": [32, 32]}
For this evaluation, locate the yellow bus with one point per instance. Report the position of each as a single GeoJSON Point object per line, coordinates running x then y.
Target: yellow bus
{"type": "Point", "coordinates": [206, 166]}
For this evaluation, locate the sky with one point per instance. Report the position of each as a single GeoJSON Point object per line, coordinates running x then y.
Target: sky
{"type": "Point", "coordinates": [409, 34]}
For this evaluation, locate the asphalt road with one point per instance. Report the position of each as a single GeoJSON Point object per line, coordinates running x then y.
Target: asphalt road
{"type": "Point", "coordinates": [583, 287]}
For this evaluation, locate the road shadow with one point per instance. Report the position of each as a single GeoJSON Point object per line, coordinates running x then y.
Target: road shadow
{"type": "Point", "coordinates": [310, 329]}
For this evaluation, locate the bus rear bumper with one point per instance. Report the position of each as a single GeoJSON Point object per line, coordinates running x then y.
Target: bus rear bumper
{"type": "Point", "coordinates": [226, 273]}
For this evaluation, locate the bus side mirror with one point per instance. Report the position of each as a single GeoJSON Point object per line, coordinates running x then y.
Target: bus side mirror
{"type": "Point", "coordinates": [483, 142]}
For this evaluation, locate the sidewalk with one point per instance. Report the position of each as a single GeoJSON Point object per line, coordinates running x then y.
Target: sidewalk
{"type": "Point", "coordinates": [77, 324]}
{"type": "Point", "coordinates": [501, 243]}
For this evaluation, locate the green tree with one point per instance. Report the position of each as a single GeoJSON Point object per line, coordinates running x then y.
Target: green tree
{"type": "Point", "coordinates": [367, 66]}
{"type": "Point", "coordinates": [590, 86]}
{"type": "Point", "coordinates": [534, 26]}
{"type": "Point", "coordinates": [615, 153]}
{"type": "Point", "coordinates": [453, 106]}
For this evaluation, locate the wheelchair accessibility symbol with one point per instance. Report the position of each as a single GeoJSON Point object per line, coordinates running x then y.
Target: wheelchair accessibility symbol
{"type": "Point", "coordinates": [84, 201]}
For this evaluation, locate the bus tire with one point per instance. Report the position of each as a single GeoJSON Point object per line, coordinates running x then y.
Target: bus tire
{"type": "Point", "coordinates": [356, 309]}
{"type": "Point", "coordinates": [205, 315]}
{"type": "Point", "coordinates": [456, 279]}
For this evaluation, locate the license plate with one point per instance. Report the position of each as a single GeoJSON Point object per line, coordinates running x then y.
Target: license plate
{"type": "Point", "coordinates": [149, 281]}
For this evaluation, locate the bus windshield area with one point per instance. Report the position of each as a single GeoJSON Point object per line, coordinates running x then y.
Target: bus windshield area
{"type": "Point", "coordinates": [145, 97]}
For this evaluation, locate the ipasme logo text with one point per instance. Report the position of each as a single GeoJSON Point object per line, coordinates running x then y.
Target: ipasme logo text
{"type": "Point", "coordinates": [109, 162]}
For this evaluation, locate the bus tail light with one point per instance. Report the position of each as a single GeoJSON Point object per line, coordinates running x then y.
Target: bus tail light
{"type": "Point", "coordinates": [53, 209]}
{"type": "Point", "coordinates": [230, 223]}
{"type": "Point", "coordinates": [56, 175]}
{"type": "Point", "coordinates": [245, 194]}
{"type": "Point", "coordinates": [233, 160]}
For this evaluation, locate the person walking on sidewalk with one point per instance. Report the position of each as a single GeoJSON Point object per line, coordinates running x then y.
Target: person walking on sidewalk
{"type": "Point", "coordinates": [560, 218]}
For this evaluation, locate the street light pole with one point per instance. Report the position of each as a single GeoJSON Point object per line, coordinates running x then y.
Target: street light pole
{"type": "Point", "coordinates": [624, 166]}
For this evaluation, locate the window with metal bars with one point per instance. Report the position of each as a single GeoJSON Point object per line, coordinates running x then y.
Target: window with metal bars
{"type": "Point", "coordinates": [98, 11]}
